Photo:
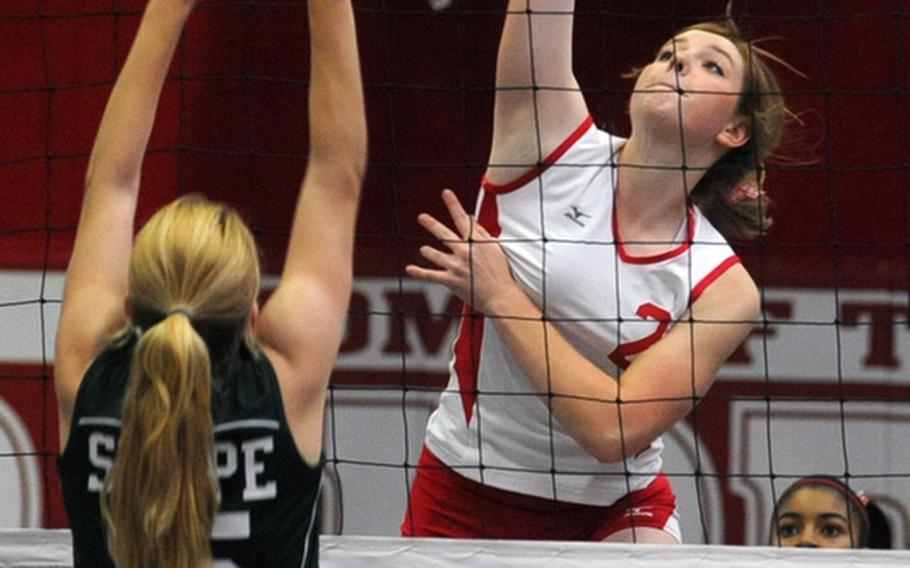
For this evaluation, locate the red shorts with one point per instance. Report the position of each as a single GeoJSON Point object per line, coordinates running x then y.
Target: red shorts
{"type": "Point", "coordinates": [445, 504]}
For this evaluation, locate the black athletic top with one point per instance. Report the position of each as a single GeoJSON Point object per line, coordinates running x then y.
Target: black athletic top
{"type": "Point", "coordinates": [269, 495]}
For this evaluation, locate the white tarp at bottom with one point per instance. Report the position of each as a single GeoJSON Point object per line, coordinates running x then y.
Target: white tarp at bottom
{"type": "Point", "coordinates": [386, 552]}
{"type": "Point", "coordinates": [35, 548]}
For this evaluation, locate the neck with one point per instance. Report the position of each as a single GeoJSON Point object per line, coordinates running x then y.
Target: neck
{"type": "Point", "coordinates": [657, 177]}
{"type": "Point", "coordinates": [653, 190]}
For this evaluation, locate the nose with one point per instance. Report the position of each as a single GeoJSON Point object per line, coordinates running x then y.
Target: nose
{"type": "Point", "coordinates": [807, 539]}
{"type": "Point", "coordinates": [679, 64]}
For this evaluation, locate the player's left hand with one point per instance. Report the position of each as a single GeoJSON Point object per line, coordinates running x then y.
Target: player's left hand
{"type": "Point", "coordinates": [474, 268]}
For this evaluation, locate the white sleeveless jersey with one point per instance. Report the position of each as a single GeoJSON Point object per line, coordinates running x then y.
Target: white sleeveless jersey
{"type": "Point", "coordinates": [557, 226]}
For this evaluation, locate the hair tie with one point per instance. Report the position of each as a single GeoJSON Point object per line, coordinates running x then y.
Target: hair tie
{"type": "Point", "coordinates": [744, 192]}
{"type": "Point", "coordinates": [181, 310]}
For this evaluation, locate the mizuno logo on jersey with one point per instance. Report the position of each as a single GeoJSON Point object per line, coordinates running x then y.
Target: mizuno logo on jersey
{"type": "Point", "coordinates": [639, 512]}
{"type": "Point", "coordinates": [576, 216]}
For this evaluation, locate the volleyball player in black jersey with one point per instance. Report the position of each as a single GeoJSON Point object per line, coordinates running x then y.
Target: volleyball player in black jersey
{"type": "Point", "coordinates": [192, 423]}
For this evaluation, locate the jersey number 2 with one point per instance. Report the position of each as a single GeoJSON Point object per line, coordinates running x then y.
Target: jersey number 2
{"type": "Point", "coordinates": [622, 355]}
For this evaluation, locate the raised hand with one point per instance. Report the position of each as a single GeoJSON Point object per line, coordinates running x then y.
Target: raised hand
{"type": "Point", "coordinates": [474, 268]}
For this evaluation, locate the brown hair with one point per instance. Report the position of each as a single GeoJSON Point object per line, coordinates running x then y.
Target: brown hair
{"type": "Point", "coordinates": [744, 214]}
{"type": "Point", "coordinates": [193, 281]}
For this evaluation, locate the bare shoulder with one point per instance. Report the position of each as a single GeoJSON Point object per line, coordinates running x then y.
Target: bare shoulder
{"type": "Point", "coordinates": [732, 297]}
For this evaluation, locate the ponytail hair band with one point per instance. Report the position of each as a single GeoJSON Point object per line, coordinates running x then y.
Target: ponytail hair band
{"type": "Point", "coordinates": [181, 310]}
{"type": "Point", "coordinates": [744, 192]}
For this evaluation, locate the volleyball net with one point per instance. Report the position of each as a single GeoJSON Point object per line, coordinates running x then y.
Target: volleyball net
{"type": "Point", "coordinates": [821, 386]}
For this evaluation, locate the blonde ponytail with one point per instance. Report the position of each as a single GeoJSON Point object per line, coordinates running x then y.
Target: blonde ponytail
{"type": "Point", "coordinates": [193, 282]}
{"type": "Point", "coordinates": [161, 495]}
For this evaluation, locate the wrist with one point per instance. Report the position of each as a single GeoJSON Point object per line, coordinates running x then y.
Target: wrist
{"type": "Point", "coordinates": [510, 301]}
{"type": "Point", "coordinates": [169, 11]}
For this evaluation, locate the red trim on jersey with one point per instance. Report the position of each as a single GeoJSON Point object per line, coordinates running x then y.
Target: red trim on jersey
{"type": "Point", "coordinates": [713, 275]}
{"type": "Point", "coordinates": [467, 358]}
{"type": "Point", "coordinates": [535, 171]}
{"type": "Point", "coordinates": [488, 216]}
{"type": "Point", "coordinates": [626, 257]}
{"type": "Point", "coordinates": [470, 334]}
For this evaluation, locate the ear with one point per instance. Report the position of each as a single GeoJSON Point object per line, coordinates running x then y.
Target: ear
{"type": "Point", "coordinates": [254, 315]}
{"type": "Point", "coordinates": [128, 307]}
{"type": "Point", "coordinates": [735, 134]}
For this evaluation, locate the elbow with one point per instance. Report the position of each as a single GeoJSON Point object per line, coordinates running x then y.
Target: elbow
{"type": "Point", "coordinates": [604, 448]}
{"type": "Point", "coordinates": [359, 171]}
{"type": "Point", "coordinates": [618, 451]}
{"type": "Point", "coordinates": [352, 178]}
{"type": "Point", "coordinates": [614, 447]}
{"type": "Point", "coordinates": [608, 456]}
{"type": "Point", "coordinates": [124, 175]}
{"type": "Point", "coordinates": [353, 162]}
{"type": "Point", "coordinates": [345, 172]}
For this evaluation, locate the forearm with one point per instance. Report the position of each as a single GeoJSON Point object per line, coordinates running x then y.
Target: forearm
{"type": "Point", "coordinates": [318, 271]}
{"type": "Point", "coordinates": [338, 143]}
{"type": "Point", "coordinates": [125, 128]}
{"type": "Point", "coordinates": [582, 397]}
{"type": "Point", "coordinates": [609, 418]}
{"type": "Point", "coordinates": [322, 236]}
{"type": "Point", "coordinates": [548, 28]}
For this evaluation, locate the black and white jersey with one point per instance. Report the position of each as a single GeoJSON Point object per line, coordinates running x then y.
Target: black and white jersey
{"type": "Point", "coordinates": [269, 494]}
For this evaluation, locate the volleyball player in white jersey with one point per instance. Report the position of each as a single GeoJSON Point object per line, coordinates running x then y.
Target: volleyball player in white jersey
{"type": "Point", "coordinates": [613, 282]}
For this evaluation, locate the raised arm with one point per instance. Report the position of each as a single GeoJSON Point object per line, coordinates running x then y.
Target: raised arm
{"type": "Point", "coordinates": [96, 279]}
{"type": "Point", "coordinates": [657, 389]}
{"type": "Point", "coordinates": [302, 323]}
{"type": "Point", "coordinates": [538, 101]}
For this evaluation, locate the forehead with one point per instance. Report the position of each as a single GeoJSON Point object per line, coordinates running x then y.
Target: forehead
{"type": "Point", "coordinates": [812, 501]}
{"type": "Point", "coordinates": [698, 39]}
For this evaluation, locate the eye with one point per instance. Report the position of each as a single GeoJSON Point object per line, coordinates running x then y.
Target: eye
{"type": "Point", "coordinates": [714, 68]}
{"type": "Point", "coordinates": [788, 530]}
{"type": "Point", "coordinates": [832, 530]}
{"type": "Point", "coordinates": [665, 55]}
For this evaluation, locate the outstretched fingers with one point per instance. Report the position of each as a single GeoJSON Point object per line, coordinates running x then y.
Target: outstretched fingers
{"type": "Point", "coordinates": [439, 230]}
{"type": "Point", "coordinates": [474, 273]}
{"type": "Point", "coordinates": [447, 265]}
{"type": "Point", "coordinates": [465, 224]}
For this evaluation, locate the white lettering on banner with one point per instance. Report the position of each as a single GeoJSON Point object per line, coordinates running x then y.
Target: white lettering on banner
{"type": "Point", "coordinates": [858, 335]}
{"type": "Point", "coordinates": [812, 335]}
{"type": "Point", "coordinates": [409, 318]}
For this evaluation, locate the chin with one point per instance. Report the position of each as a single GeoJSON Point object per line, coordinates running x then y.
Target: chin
{"type": "Point", "coordinates": [656, 120]}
